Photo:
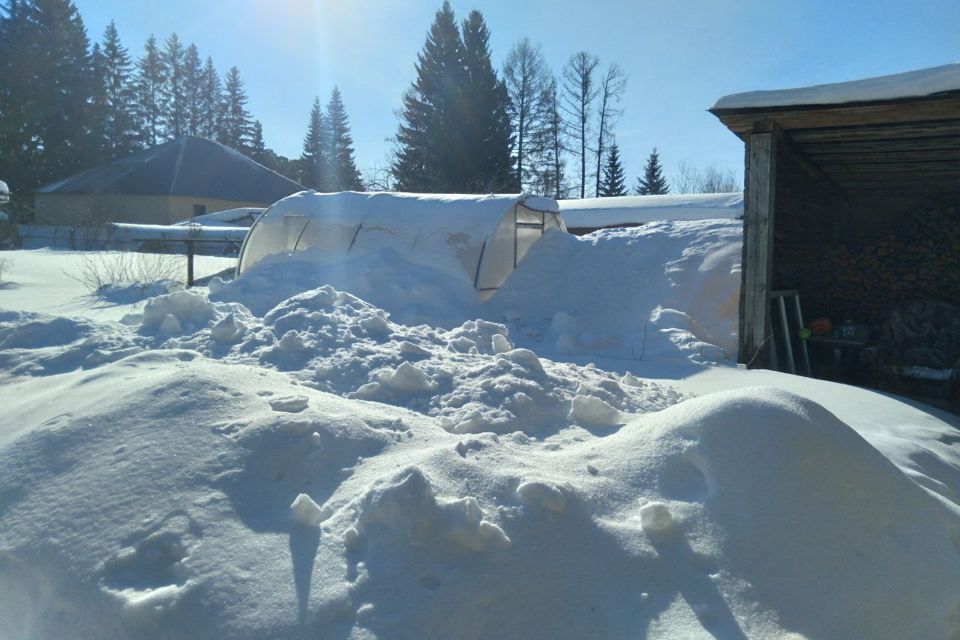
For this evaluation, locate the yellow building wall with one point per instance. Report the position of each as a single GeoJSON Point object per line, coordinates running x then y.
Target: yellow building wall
{"type": "Point", "coordinates": [94, 209]}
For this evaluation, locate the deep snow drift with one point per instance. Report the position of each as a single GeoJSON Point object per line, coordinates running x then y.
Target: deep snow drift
{"type": "Point", "coordinates": [226, 465]}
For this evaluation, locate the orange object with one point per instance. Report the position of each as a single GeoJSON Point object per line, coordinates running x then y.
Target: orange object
{"type": "Point", "coordinates": [820, 326]}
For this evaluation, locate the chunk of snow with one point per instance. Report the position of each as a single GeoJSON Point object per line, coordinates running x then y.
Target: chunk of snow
{"type": "Point", "coordinates": [407, 378]}
{"type": "Point", "coordinates": [500, 344]}
{"type": "Point", "coordinates": [593, 412]}
{"type": "Point", "coordinates": [306, 512]}
{"type": "Point", "coordinates": [290, 403]}
{"type": "Point", "coordinates": [544, 494]}
{"type": "Point", "coordinates": [190, 309]}
{"type": "Point", "coordinates": [656, 519]}
{"type": "Point", "coordinates": [227, 330]}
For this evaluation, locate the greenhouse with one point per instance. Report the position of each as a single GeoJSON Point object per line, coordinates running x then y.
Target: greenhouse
{"type": "Point", "coordinates": [477, 238]}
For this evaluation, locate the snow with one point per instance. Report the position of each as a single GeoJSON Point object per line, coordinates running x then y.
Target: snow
{"type": "Point", "coordinates": [240, 217]}
{"type": "Point", "coordinates": [910, 84]}
{"type": "Point", "coordinates": [301, 459]}
{"type": "Point", "coordinates": [595, 213]}
{"type": "Point", "coordinates": [43, 281]}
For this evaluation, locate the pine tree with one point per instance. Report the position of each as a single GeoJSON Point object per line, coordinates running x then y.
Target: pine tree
{"type": "Point", "coordinates": [100, 147]}
{"type": "Point", "coordinates": [488, 165]}
{"type": "Point", "coordinates": [175, 99]}
{"type": "Point", "coordinates": [192, 89]}
{"type": "Point", "coordinates": [341, 170]}
{"type": "Point", "coordinates": [47, 88]}
{"type": "Point", "coordinates": [209, 102]}
{"type": "Point", "coordinates": [652, 182]}
{"type": "Point", "coordinates": [614, 179]}
{"type": "Point", "coordinates": [235, 125]}
{"type": "Point", "coordinates": [150, 94]}
{"type": "Point", "coordinates": [430, 139]}
{"type": "Point", "coordinates": [258, 149]}
{"type": "Point", "coordinates": [313, 161]}
{"type": "Point", "coordinates": [119, 110]}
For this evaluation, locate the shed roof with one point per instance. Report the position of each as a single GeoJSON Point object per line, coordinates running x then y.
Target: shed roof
{"type": "Point", "coordinates": [187, 166]}
{"type": "Point", "coordinates": [911, 84]}
{"type": "Point", "coordinates": [896, 133]}
{"type": "Point", "coordinates": [594, 213]}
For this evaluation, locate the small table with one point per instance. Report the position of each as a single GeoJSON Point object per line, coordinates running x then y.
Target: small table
{"type": "Point", "coordinates": [852, 343]}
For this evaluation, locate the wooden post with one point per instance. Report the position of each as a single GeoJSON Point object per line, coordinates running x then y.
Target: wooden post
{"type": "Point", "coordinates": [758, 249]}
{"type": "Point", "coordinates": [189, 263]}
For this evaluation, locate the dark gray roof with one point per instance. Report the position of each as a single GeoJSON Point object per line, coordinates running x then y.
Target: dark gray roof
{"type": "Point", "coordinates": [188, 166]}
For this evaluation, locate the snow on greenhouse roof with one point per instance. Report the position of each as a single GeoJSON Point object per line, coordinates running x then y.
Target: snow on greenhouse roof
{"type": "Point", "coordinates": [919, 83]}
{"type": "Point", "coordinates": [631, 210]}
{"type": "Point", "coordinates": [476, 238]}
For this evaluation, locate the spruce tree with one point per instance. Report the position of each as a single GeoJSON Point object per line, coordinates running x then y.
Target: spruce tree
{"type": "Point", "coordinates": [100, 147]}
{"type": "Point", "coordinates": [235, 125]}
{"type": "Point", "coordinates": [47, 88]}
{"type": "Point", "coordinates": [341, 170]}
{"type": "Point", "coordinates": [614, 179]}
{"type": "Point", "coordinates": [119, 105]}
{"type": "Point", "coordinates": [150, 93]}
{"type": "Point", "coordinates": [258, 149]}
{"type": "Point", "coordinates": [209, 102]}
{"type": "Point", "coordinates": [313, 161]}
{"type": "Point", "coordinates": [652, 182]}
{"type": "Point", "coordinates": [174, 93]}
{"type": "Point", "coordinates": [192, 89]}
{"type": "Point", "coordinates": [487, 165]}
{"type": "Point", "coordinates": [430, 140]}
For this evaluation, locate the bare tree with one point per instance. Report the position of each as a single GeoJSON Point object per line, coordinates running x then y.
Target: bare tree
{"type": "Point", "coordinates": [526, 76]}
{"type": "Point", "coordinates": [710, 179]}
{"type": "Point", "coordinates": [611, 90]}
{"type": "Point", "coordinates": [579, 93]}
{"type": "Point", "coordinates": [550, 165]}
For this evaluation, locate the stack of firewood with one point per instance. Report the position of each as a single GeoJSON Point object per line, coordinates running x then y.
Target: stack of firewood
{"type": "Point", "coordinates": [918, 260]}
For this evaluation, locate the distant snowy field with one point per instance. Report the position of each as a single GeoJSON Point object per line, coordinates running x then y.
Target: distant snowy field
{"type": "Point", "coordinates": [356, 449]}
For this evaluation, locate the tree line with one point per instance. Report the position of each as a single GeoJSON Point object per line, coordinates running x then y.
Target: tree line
{"type": "Point", "coordinates": [464, 126]}
{"type": "Point", "coordinates": [66, 106]}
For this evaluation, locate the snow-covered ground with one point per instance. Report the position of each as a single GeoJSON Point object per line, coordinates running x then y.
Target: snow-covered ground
{"type": "Point", "coordinates": [359, 450]}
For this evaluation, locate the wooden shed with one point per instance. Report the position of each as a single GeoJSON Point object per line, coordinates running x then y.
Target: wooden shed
{"type": "Point", "coordinates": [852, 200]}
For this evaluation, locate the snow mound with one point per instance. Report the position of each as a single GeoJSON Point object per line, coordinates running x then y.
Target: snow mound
{"type": "Point", "coordinates": [467, 376]}
{"type": "Point", "coordinates": [188, 506]}
{"type": "Point", "coordinates": [638, 294]}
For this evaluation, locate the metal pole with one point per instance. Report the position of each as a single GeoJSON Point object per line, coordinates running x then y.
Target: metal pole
{"type": "Point", "coordinates": [786, 334]}
{"type": "Point", "coordinates": [189, 263]}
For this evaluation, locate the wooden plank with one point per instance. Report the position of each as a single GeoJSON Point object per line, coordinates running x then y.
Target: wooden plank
{"type": "Point", "coordinates": [924, 168]}
{"type": "Point", "coordinates": [887, 145]}
{"type": "Point", "coordinates": [946, 156]}
{"type": "Point", "coordinates": [807, 117]}
{"type": "Point", "coordinates": [758, 249]}
{"type": "Point", "coordinates": [895, 131]}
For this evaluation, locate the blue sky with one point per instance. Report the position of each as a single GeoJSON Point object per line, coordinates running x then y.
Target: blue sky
{"type": "Point", "coordinates": [680, 56]}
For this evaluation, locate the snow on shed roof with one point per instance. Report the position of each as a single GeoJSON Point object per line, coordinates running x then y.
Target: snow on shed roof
{"type": "Point", "coordinates": [593, 213]}
{"type": "Point", "coordinates": [187, 166]}
{"type": "Point", "coordinates": [920, 83]}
